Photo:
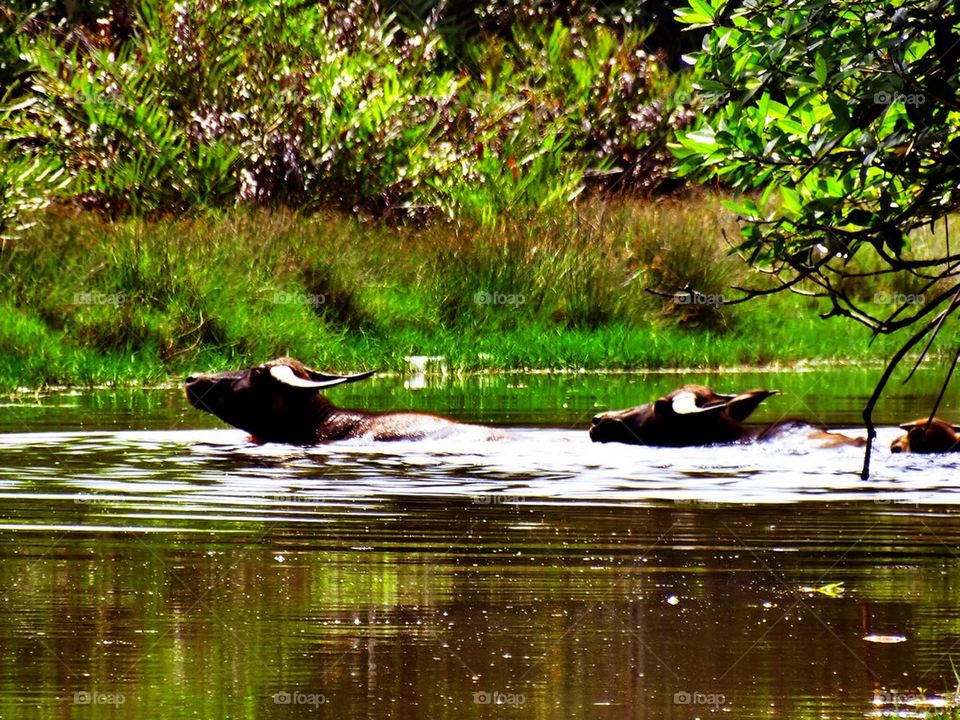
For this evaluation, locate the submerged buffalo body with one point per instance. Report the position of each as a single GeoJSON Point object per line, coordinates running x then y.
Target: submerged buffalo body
{"type": "Point", "coordinates": [696, 415]}
{"type": "Point", "coordinates": [280, 401]}
{"type": "Point", "coordinates": [928, 436]}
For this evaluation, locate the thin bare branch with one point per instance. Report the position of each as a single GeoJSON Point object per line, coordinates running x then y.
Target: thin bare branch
{"type": "Point", "coordinates": [882, 383]}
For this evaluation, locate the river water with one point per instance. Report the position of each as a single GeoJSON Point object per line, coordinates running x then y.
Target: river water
{"type": "Point", "coordinates": [153, 563]}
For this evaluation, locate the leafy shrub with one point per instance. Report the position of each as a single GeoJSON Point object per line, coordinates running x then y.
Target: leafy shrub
{"type": "Point", "coordinates": [188, 105]}
{"type": "Point", "coordinates": [603, 92]}
{"type": "Point", "coordinates": [24, 184]}
{"type": "Point", "coordinates": [209, 104]}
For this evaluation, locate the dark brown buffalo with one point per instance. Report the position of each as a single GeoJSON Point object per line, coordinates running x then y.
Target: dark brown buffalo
{"type": "Point", "coordinates": [280, 401]}
{"type": "Point", "coordinates": [696, 415]}
{"type": "Point", "coordinates": [928, 436]}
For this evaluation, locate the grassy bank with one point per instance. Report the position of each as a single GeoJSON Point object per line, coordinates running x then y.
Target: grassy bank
{"type": "Point", "coordinates": [85, 301]}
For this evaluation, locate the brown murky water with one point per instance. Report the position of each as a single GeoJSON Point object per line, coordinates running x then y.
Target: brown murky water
{"type": "Point", "coordinates": [155, 564]}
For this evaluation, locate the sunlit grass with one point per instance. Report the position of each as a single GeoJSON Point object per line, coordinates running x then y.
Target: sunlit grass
{"type": "Point", "coordinates": [88, 301]}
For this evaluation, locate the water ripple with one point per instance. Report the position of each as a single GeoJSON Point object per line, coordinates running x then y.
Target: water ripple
{"type": "Point", "coordinates": [534, 465]}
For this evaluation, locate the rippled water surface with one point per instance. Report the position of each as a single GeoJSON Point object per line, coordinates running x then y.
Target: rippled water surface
{"type": "Point", "coordinates": [154, 563]}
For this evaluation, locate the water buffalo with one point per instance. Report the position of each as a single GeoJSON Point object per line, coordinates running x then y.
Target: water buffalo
{"type": "Point", "coordinates": [696, 415]}
{"type": "Point", "coordinates": [280, 401]}
{"type": "Point", "coordinates": [927, 436]}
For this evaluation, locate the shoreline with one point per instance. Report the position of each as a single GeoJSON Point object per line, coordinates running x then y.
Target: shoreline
{"type": "Point", "coordinates": [797, 367]}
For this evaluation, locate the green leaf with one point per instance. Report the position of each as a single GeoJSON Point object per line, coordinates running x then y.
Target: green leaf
{"type": "Point", "coordinates": [699, 14]}
{"type": "Point", "coordinates": [792, 202]}
{"type": "Point", "coordinates": [703, 8]}
{"type": "Point", "coordinates": [763, 109]}
{"type": "Point", "coordinates": [702, 140]}
{"type": "Point", "coordinates": [820, 68]}
{"type": "Point", "coordinates": [841, 114]}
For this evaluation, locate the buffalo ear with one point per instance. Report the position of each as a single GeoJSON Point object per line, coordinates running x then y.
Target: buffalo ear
{"type": "Point", "coordinates": [285, 375]}
{"type": "Point", "coordinates": [681, 404]}
{"type": "Point", "coordinates": [685, 403]}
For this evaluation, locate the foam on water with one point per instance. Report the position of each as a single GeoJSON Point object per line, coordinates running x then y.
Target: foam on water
{"type": "Point", "coordinates": [533, 465]}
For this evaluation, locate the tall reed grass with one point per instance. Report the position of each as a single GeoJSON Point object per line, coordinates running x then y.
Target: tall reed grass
{"type": "Point", "coordinates": [88, 300]}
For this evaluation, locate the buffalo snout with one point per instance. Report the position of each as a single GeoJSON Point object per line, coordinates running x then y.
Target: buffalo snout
{"type": "Point", "coordinates": [619, 426]}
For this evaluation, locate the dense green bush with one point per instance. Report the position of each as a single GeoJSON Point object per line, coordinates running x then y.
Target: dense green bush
{"type": "Point", "coordinates": [611, 98]}
{"type": "Point", "coordinates": [25, 184]}
{"type": "Point", "coordinates": [186, 105]}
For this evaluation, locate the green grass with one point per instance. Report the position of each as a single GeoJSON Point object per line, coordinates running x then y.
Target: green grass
{"type": "Point", "coordinates": [85, 301]}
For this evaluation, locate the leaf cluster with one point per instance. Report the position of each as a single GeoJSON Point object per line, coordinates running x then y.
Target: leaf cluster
{"type": "Point", "coordinates": [841, 123]}
{"type": "Point", "coordinates": [845, 118]}
{"type": "Point", "coordinates": [205, 104]}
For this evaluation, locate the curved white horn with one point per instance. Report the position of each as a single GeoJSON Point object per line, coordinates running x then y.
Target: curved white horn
{"type": "Point", "coordinates": [286, 375]}
{"type": "Point", "coordinates": [323, 377]}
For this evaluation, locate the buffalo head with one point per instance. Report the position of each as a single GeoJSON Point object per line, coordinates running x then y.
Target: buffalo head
{"type": "Point", "coordinates": [278, 401]}
{"type": "Point", "coordinates": [692, 415]}
{"type": "Point", "coordinates": [927, 436]}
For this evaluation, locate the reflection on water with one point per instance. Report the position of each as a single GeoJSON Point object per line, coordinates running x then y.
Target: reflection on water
{"type": "Point", "coordinates": [155, 564]}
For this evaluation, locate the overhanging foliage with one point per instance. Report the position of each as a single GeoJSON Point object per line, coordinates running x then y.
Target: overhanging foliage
{"type": "Point", "coordinates": [840, 121]}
